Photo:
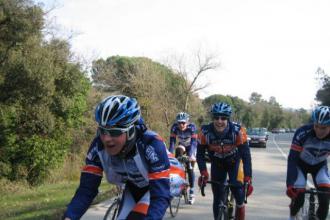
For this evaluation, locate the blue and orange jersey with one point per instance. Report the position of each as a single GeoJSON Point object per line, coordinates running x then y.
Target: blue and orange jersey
{"type": "Point", "coordinates": [307, 148]}
{"type": "Point", "coordinates": [148, 167]}
{"type": "Point", "coordinates": [231, 143]}
{"type": "Point", "coordinates": [186, 138]}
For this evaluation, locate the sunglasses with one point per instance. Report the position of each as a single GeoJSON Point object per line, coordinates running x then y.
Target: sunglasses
{"type": "Point", "coordinates": [113, 132]}
{"type": "Point", "coordinates": [181, 122]}
{"type": "Point", "coordinates": [223, 118]}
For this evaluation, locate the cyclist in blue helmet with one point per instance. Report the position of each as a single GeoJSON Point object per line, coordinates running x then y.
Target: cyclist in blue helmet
{"type": "Point", "coordinates": [186, 133]}
{"type": "Point", "coordinates": [127, 154]}
{"type": "Point", "coordinates": [308, 154]}
{"type": "Point", "coordinates": [226, 143]}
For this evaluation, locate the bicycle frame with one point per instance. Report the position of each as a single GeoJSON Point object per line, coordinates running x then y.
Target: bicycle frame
{"type": "Point", "coordinates": [183, 160]}
{"type": "Point", "coordinates": [226, 205]}
{"type": "Point", "coordinates": [113, 209]}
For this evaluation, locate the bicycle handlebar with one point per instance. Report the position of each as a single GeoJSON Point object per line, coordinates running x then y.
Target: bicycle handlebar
{"type": "Point", "coordinates": [315, 191]}
{"type": "Point", "coordinates": [183, 159]}
{"type": "Point", "coordinates": [224, 184]}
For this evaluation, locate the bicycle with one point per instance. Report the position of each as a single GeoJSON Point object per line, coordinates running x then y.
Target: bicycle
{"type": "Point", "coordinates": [176, 200]}
{"type": "Point", "coordinates": [308, 211]}
{"type": "Point", "coordinates": [112, 212]}
{"type": "Point", "coordinates": [227, 205]}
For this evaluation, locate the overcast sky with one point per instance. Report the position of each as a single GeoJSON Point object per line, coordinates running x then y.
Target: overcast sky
{"type": "Point", "coordinates": [272, 47]}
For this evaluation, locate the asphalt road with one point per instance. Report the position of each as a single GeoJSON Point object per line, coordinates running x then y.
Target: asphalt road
{"type": "Point", "coordinates": [268, 201]}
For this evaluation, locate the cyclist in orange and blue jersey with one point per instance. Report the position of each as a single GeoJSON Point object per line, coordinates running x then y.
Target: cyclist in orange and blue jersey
{"type": "Point", "coordinates": [308, 154]}
{"type": "Point", "coordinates": [186, 133]}
{"type": "Point", "coordinates": [127, 153]}
{"type": "Point", "coordinates": [226, 143]}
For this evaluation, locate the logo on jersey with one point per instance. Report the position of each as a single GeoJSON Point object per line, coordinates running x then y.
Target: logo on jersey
{"type": "Point", "coordinates": [151, 154]}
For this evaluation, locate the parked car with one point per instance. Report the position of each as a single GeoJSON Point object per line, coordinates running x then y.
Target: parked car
{"type": "Point", "coordinates": [257, 137]}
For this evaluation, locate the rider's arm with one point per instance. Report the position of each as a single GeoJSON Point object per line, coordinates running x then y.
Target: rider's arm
{"type": "Point", "coordinates": [172, 139]}
{"type": "Point", "coordinates": [201, 147]}
{"type": "Point", "coordinates": [193, 141]}
{"type": "Point", "coordinates": [244, 151]}
{"type": "Point", "coordinates": [296, 148]}
{"type": "Point", "coordinates": [159, 184]}
{"type": "Point", "coordinates": [90, 180]}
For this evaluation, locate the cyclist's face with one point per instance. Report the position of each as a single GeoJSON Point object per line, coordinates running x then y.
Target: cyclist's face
{"type": "Point", "coordinates": [321, 131]}
{"type": "Point", "coordinates": [113, 145]}
{"type": "Point", "coordinates": [182, 125]}
{"type": "Point", "coordinates": [220, 123]}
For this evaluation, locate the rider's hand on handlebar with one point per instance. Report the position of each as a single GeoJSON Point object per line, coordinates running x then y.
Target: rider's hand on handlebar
{"type": "Point", "coordinates": [293, 192]}
{"type": "Point", "coordinates": [247, 180]}
{"type": "Point", "coordinates": [202, 180]}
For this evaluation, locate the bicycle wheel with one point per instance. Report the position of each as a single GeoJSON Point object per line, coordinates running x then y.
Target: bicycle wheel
{"type": "Point", "coordinates": [304, 211]}
{"type": "Point", "coordinates": [174, 205]}
{"type": "Point", "coordinates": [185, 196]}
{"type": "Point", "coordinates": [231, 206]}
{"type": "Point", "coordinates": [112, 211]}
{"type": "Point", "coordinates": [223, 214]}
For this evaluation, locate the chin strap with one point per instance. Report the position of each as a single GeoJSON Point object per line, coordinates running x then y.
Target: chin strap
{"type": "Point", "coordinates": [129, 145]}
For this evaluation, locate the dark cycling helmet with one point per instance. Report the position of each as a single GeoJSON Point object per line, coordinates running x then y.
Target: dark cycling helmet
{"type": "Point", "coordinates": [221, 108]}
{"type": "Point", "coordinates": [182, 117]}
{"type": "Point", "coordinates": [117, 111]}
{"type": "Point", "coordinates": [321, 115]}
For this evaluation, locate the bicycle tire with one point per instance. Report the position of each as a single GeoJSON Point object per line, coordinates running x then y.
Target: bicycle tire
{"type": "Point", "coordinates": [174, 205]}
{"type": "Point", "coordinates": [112, 212]}
{"type": "Point", "coordinates": [185, 196]}
{"type": "Point", "coordinates": [223, 214]}
{"type": "Point", "coordinates": [231, 206]}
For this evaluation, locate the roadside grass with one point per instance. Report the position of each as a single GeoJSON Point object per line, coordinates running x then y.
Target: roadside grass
{"type": "Point", "coordinates": [44, 202]}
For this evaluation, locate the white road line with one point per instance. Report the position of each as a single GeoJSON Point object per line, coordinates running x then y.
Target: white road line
{"type": "Point", "coordinates": [309, 183]}
{"type": "Point", "coordinates": [279, 149]}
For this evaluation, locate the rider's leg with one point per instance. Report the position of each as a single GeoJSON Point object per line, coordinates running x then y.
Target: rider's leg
{"type": "Point", "coordinates": [191, 174]}
{"type": "Point", "coordinates": [219, 174]}
{"type": "Point", "coordinates": [240, 212]}
{"type": "Point", "coordinates": [237, 190]}
{"type": "Point", "coordinates": [296, 204]}
{"type": "Point", "coordinates": [300, 183]}
{"type": "Point", "coordinates": [322, 180]}
{"type": "Point", "coordinates": [322, 211]}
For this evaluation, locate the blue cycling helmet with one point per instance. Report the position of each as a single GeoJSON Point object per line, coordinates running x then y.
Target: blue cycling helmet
{"type": "Point", "coordinates": [182, 117]}
{"type": "Point", "coordinates": [117, 111]}
{"type": "Point", "coordinates": [321, 115]}
{"type": "Point", "coordinates": [221, 108]}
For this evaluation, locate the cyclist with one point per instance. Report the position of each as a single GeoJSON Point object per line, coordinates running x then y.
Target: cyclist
{"type": "Point", "coordinates": [308, 154]}
{"type": "Point", "coordinates": [186, 133]}
{"type": "Point", "coordinates": [128, 154]}
{"type": "Point", "coordinates": [226, 144]}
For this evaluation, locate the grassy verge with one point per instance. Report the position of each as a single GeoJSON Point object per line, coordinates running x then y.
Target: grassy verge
{"type": "Point", "coordinates": [43, 202]}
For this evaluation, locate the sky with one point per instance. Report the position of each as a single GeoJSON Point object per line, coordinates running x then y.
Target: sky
{"type": "Point", "coordinates": [272, 47]}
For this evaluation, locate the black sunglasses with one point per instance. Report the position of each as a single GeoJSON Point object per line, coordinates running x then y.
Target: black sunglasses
{"type": "Point", "coordinates": [223, 118]}
{"type": "Point", "coordinates": [113, 132]}
{"type": "Point", "coordinates": [181, 122]}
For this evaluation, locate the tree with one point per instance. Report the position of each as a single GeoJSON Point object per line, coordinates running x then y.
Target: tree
{"type": "Point", "coordinates": [158, 89]}
{"type": "Point", "coordinates": [42, 95]}
{"type": "Point", "coordinates": [255, 98]}
{"type": "Point", "coordinates": [19, 20]}
{"type": "Point", "coordinates": [200, 63]}
{"type": "Point", "coordinates": [323, 94]}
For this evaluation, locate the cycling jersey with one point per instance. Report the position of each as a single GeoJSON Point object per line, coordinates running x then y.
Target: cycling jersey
{"type": "Point", "coordinates": [146, 168]}
{"type": "Point", "coordinates": [230, 144]}
{"type": "Point", "coordinates": [186, 138]}
{"type": "Point", "coordinates": [308, 153]}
